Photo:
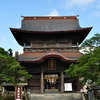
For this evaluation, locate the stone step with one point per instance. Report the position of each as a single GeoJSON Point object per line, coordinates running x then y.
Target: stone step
{"type": "Point", "coordinates": [57, 96]}
{"type": "Point", "coordinates": [51, 90]}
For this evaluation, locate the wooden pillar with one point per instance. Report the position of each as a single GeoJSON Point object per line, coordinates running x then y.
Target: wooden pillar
{"type": "Point", "coordinates": [78, 85]}
{"type": "Point", "coordinates": [62, 82]}
{"type": "Point", "coordinates": [42, 81]}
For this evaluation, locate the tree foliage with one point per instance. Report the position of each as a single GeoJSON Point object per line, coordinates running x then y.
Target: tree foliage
{"type": "Point", "coordinates": [10, 70]}
{"type": "Point", "coordinates": [88, 65]}
{"type": "Point", "coordinates": [10, 52]}
{"type": "Point", "coordinates": [7, 53]}
{"type": "Point", "coordinates": [2, 51]}
{"type": "Point", "coordinates": [90, 44]}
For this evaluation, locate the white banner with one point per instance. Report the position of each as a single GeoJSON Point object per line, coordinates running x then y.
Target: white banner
{"type": "Point", "coordinates": [68, 86]}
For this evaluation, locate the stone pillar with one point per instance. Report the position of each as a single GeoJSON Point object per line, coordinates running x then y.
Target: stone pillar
{"type": "Point", "coordinates": [62, 82]}
{"type": "Point", "coordinates": [42, 81]}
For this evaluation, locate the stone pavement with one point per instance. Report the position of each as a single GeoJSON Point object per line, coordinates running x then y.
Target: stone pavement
{"type": "Point", "coordinates": [58, 96]}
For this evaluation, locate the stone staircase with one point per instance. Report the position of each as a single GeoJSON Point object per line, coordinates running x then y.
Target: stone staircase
{"type": "Point", "coordinates": [57, 96]}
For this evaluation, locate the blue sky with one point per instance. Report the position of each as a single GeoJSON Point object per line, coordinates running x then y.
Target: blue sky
{"type": "Point", "coordinates": [12, 10]}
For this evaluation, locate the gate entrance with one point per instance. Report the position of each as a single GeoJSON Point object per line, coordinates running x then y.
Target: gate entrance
{"type": "Point", "coordinates": [51, 83]}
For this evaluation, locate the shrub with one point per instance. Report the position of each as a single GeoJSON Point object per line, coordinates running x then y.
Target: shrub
{"type": "Point", "coordinates": [9, 98]}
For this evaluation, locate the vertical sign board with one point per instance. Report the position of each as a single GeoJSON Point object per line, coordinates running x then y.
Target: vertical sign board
{"type": "Point", "coordinates": [18, 93]}
{"type": "Point", "coordinates": [68, 86]}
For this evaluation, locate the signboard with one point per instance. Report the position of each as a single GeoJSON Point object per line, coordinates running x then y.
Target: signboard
{"type": "Point", "coordinates": [18, 93]}
{"type": "Point", "coordinates": [68, 86]}
{"type": "Point", "coordinates": [51, 75]}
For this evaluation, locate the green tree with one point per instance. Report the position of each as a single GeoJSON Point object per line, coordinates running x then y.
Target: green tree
{"type": "Point", "coordinates": [2, 51]}
{"type": "Point", "coordinates": [7, 53]}
{"type": "Point", "coordinates": [10, 70]}
{"type": "Point", "coordinates": [90, 44]}
{"type": "Point", "coordinates": [88, 65]}
{"type": "Point", "coordinates": [10, 53]}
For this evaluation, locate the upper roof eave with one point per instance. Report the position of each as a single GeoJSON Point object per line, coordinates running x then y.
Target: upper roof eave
{"type": "Point", "coordinates": [26, 31]}
{"type": "Point", "coordinates": [18, 36]}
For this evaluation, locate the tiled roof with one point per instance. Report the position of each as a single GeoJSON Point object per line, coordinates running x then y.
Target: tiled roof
{"type": "Point", "coordinates": [61, 26]}
{"type": "Point", "coordinates": [54, 23]}
{"type": "Point", "coordinates": [39, 56]}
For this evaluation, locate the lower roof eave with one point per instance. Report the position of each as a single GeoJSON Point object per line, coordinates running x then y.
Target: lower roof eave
{"type": "Point", "coordinates": [47, 32]}
{"type": "Point", "coordinates": [70, 61]}
{"type": "Point", "coordinates": [70, 57]}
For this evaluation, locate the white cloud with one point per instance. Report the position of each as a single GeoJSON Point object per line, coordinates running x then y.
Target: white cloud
{"type": "Point", "coordinates": [20, 51]}
{"type": "Point", "coordinates": [53, 13]}
{"type": "Point", "coordinates": [79, 3]}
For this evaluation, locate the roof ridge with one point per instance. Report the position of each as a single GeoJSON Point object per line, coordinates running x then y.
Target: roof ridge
{"type": "Point", "coordinates": [48, 17]}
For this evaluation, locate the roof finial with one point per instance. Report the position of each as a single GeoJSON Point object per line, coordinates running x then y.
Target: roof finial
{"type": "Point", "coordinates": [77, 15]}
{"type": "Point", "coordinates": [22, 16]}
